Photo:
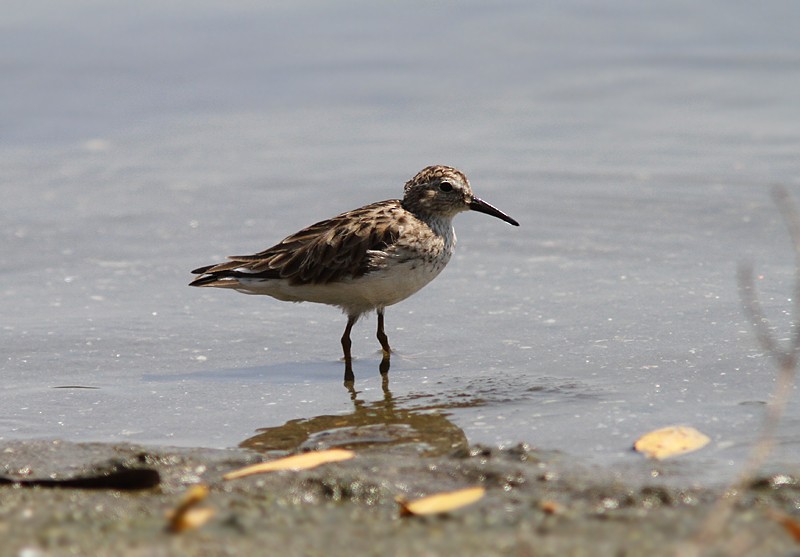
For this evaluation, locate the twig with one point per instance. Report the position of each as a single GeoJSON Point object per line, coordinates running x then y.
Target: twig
{"type": "Point", "coordinates": [786, 359]}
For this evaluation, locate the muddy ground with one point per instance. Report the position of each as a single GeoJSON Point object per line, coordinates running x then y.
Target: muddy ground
{"type": "Point", "coordinates": [104, 499]}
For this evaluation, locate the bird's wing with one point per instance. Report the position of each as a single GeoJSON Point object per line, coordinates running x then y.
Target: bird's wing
{"type": "Point", "coordinates": [324, 252]}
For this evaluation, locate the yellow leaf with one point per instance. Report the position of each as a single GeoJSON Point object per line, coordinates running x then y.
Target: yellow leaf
{"type": "Point", "coordinates": [670, 441]}
{"type": "Point", "coordinates": [187, 516]}
{"type": "Point", "coordinates": [548, 506]}
{"type": "Point", "coordinates": [297, 462]}
{"type": "Point", "coordinates": [441, 502]}
{"type": "Point", "coordinates": [190, 519]}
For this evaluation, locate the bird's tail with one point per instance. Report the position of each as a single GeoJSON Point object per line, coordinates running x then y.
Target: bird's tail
{"type": "Point", "coordinates": [210, 277]}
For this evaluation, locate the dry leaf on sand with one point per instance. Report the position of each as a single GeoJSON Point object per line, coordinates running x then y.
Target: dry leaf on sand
{"type": "Point", "coordinates": [440, 502]}
{"type": "Point", "coordinates": [670, 441]}
{"type": "Point", "coordinates": [296, 462]}
{"type": "Point", "coordinates": [187, 515]}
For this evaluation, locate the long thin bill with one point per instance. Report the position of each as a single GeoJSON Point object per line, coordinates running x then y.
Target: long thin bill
{"type": "Point", "coordinates": [482, 207]}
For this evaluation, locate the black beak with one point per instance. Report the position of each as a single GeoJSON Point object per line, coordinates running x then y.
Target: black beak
{"type": "Point", "coordinates": [482, 207]}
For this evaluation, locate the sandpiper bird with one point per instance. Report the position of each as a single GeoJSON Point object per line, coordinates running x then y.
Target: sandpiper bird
{"type": "Point", "coordinates": [362, 260]}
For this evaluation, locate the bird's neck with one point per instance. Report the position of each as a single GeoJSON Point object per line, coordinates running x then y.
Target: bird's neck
{"type": "Point", "coordinates": [442, 226]}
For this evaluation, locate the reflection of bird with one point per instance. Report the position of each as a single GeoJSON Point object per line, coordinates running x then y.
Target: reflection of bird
{"type": "Point", "coordinates": [424, 429]}
{"type": "Point", "coordinates": [362, 260]}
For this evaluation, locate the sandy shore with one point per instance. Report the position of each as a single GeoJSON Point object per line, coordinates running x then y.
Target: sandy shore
{"type": "Point", "coordinates": [104, 499]}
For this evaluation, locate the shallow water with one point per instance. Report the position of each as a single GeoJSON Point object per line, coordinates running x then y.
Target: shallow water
{"type": "Point", "coordinates": [635, 146]}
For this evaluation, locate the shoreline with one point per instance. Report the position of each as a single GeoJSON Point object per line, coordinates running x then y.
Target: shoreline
{"type": "Point", "coordinates": [536, 503]}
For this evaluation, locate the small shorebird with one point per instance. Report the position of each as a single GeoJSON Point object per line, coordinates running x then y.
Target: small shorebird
{"type": "Point", "coordinates": [362, 260]}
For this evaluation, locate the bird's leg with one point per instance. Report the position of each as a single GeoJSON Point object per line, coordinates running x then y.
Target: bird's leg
{"type": "Point", "coordinates": [384, 340]}
{"type": "Point", "coordinates": [346, 343]}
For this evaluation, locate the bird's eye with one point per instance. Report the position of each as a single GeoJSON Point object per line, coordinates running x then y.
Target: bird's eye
{"type": "Point", "coordinates": [446, 186]}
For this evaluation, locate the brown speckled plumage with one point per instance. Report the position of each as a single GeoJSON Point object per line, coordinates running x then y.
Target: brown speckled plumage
{"type": "Point", "coordinates": [327, 251]}
{"type": "Point", "coordinates": [364, 259]}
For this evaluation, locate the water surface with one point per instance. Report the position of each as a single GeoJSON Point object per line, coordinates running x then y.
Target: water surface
{"type": "Point", "coordinates": [635, 145]}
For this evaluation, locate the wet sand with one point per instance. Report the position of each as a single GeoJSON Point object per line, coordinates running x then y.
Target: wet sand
{"type": "Point", "coordinates": [116, 497]}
